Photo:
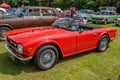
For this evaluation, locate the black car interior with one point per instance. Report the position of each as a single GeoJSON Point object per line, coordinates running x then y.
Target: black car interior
{"type": "Point", "coordinates": [83, 27]}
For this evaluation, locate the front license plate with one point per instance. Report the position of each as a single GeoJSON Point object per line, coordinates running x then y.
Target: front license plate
{"type": "Point", "coordinates": [11, 56]}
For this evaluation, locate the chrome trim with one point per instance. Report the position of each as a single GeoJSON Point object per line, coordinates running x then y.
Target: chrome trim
{"type": "Point", "coordinates": [18, 57]}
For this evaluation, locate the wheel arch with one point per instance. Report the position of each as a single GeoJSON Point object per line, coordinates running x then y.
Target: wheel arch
{"type": "Point", "coordinates": [108, 36]}
{"type": "Point", "coordinates": [98, 44]}
{"type": "Point", "coordinates": [50, 43]}
{"type": "Point", "coordinates": [6, 25]}
{"type": "Point", "coordinates": [103, 35]}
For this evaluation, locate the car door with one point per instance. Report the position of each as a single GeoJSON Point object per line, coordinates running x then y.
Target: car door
{"type": "Point", "coordinates": [114, 16]}
{"type": "Point", "coordinates": [33, 18]}
{"type": "Point", "coordinates": [111, 17]}
{"type": "Point", "coordinates": [108, 16]}
{"type": "Point", "coordinates": [86, 40]}
{"type": "Point", "coordinates": [90, 15]}
{"type": "Point", "coordinates": [48, 16]}
{"type": "Point", "coordinates": [16, 22]}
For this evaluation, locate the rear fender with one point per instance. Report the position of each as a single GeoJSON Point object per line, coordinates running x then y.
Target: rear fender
{"type": "Point", "coordinates": [104, 33]}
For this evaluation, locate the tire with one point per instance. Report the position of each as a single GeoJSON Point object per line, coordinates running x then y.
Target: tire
{"type": "Point", "coordinates": [103, 43]}
{"type": "Point", "coordinates": [46, 57]}
{"type": "Point", "coordinates": [2, 32]}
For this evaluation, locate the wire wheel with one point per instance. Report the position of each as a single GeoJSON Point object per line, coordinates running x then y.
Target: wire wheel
{"type": "Point", "coordinates": [2, 32]}
{"type": "Point", "coordinates": [46, 57]}
{"type": "Point", "coordinates": [103, 43]}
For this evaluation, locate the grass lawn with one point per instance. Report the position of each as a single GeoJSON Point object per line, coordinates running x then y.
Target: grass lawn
{"type": "Point", "coordinates": [90, 65]}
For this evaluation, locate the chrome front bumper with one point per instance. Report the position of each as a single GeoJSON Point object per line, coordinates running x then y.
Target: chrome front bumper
{"type": "Point", "coordinates": [19, 57]}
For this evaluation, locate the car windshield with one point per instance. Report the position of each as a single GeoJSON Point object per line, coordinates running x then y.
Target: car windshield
{"type": "Point", "coordinates": [66, 23]}
{"type": "Point", "coordinates": [87, 12]}
{"type": "Point", "coordinates": [62, 22]}
{"type": "Point", "coordinates": [20, 11]}
{"type": "Point", "coordinates": [9, 12]}
{"type": "Point", "coordinates": [104, 13]}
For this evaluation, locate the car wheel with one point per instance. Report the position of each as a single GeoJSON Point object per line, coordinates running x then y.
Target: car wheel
{"type": "Point", "coordinates": [105, 22]}
{"type": "Point", "coordinates": [2, 32]}
{"type": "Point", "coordinates": [46, 57]}
{"type": "Point", "coordinates": [103, 43]}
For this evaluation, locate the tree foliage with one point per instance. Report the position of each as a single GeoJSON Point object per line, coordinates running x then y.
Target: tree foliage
{"type": "Point", "coordinates": [66, 4]}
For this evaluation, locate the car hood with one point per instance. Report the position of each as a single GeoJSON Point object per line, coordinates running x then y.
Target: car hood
{"type": "Point", "coordinates": [28, 34]}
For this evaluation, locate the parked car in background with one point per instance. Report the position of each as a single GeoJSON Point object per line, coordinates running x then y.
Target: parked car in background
{"type": "Point", "coordinates": [64, 38]}
{"type": "Point", "coordinates": [27, 16]}
{"type": "Point", "coordinates": [88, 14]}
{"type": "Point", "coordinates": [9, 12]}
{"type": "Point", "coordinates": [110, 8]}
{"type": "Point", "coordinates": [2, 10]}
{"type": "Point", "coordinates": [117, 22]}
{"type": "Point", "coordinates": [105, 16]}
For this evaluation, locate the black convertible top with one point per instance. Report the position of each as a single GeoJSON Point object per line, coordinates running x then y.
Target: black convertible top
{"type": "Point", "coordinates": [90, 26]}
{"type": "Point", "coordinates": [73, 24]}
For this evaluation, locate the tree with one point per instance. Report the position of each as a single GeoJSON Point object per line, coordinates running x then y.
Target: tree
{"type": "Point", "coordinates": [66, 4]}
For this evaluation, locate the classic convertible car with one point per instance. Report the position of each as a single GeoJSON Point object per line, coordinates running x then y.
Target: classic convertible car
{"type": "Point", "coordinates": [64, 38]}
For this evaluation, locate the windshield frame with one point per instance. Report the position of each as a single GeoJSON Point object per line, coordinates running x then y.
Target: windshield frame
{"type": "Point", "coordinates": [72, 24]}
{"type": "Point", "coordinates": [104, 13]}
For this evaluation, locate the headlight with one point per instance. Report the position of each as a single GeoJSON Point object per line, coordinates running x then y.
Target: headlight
{"type": "Point", "coordinates": [20, 48]}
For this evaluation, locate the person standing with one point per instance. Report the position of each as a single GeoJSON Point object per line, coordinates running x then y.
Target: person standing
{"type": "Point", "coordinates": [73, 11]}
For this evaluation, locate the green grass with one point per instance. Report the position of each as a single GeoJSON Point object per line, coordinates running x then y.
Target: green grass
{"type": "Point", "coordinates": [90, 65]}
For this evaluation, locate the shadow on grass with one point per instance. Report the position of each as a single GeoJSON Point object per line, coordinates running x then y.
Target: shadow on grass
{"type": "Point", "coordinates": [7, 66]}
{"type": "Point", "coordinates": [79, 55]}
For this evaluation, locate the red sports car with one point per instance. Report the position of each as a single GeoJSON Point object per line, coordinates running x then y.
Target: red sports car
{"type": "Point", "coordinates": [64, 38]}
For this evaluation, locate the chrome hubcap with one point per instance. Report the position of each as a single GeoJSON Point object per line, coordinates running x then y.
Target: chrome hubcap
{"type": "Point", "coordinates": [103, 44]}
{"type": "Point", "coordinates": [47, 58]}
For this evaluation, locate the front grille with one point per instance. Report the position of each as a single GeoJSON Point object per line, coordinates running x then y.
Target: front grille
{"type": "Point", "coordinates": [12, 44]}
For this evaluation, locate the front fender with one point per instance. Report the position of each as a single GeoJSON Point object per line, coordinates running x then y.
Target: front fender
{"type": "Point", "coordinates": [35, 45]}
